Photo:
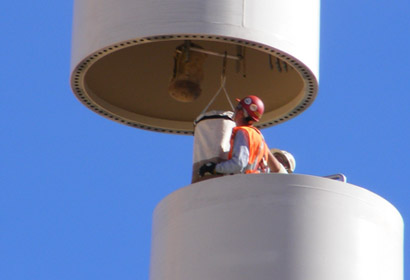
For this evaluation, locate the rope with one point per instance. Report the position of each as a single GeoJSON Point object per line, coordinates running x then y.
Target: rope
{"type": "Point", "coordinates": [227, 96]}
{"type": "Point", "coordinates": [222, 87]}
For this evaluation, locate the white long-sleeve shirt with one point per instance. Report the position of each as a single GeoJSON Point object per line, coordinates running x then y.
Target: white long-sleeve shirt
{"type": "Point", "coordinates": [240, 156]}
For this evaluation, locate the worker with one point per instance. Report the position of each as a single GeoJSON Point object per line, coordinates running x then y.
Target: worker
{"type": "Point", "coordinates": [285, 158]}
{"type": "Point", "coordinates": [248, 153]}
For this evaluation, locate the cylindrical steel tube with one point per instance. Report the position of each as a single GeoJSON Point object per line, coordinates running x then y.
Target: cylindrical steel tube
{"type": "Point", "coordinates": [122, 57]}
{"type": "Point", "coordinates": [276, 226]}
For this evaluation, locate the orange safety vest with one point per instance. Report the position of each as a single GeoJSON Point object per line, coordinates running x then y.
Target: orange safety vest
{"type": "Point", "coordinates": [258, 150]}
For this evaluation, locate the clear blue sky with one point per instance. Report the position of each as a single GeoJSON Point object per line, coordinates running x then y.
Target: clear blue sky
{"type": "Point", "coordinates": [77, 190]}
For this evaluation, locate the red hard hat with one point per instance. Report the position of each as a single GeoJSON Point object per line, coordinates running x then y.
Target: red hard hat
{"type": "Point", "coordinates": [253, 105]}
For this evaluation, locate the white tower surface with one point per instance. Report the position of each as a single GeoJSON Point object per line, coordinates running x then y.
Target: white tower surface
{"type": "Point", "coordinates": [126, 57]}
{"type": "Point", "coordinates": [276, 226]}
{"type": "Point", "coordinates": [123, 57]}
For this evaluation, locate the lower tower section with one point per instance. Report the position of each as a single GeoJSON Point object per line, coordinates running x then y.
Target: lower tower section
{"type": "Point", "coordinates": [276, 226]}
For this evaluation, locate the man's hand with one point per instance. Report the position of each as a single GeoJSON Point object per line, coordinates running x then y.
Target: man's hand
{"type": "Point", "coordinates": [207, 168]}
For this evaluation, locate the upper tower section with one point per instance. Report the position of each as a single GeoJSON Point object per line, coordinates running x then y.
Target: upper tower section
{"type": "Point", "coordinates": [157, 64]}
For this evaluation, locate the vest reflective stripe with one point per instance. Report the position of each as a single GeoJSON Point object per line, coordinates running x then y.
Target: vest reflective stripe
{"type": "Point", "coordinates": [257, 149]}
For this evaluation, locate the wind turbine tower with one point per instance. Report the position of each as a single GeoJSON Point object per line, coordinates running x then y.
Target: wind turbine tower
{"type": "Point", "coordinates": [157, 64]}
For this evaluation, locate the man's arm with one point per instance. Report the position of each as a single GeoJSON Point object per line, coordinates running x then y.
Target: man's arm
{"type": "Point", "coordinates": [274, 165]}
{"type": "Point", "coordinates": [240, 156]}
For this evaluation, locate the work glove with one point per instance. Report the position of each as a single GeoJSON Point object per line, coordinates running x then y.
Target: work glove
{"type": "Point", "coordinates": [207, 168]}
